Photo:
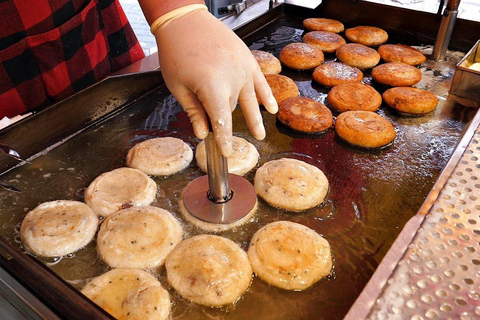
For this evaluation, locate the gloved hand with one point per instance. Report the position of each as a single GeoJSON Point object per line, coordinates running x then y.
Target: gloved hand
{"type": "Point", "coordinates": [208, 69]}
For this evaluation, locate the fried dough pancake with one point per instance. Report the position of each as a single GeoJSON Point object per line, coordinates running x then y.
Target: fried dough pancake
{"type": "Point", "coordinates": [364, 129]}
{"type": "Point", "coordinates": [334, 73]}
{"type": "Point", "coordinates": [366, 35]}
{"type": "Point", "coordinates": [323, 24]}
{"type": "Point", "coordinates": [269, 64]}
{"type": "Point", "coordinates": [410, 100]}
{"type": "Point", "coordinates": [396, 74]}
{"type": "Point", "coordinates": [326, 41]}
{"type": "Point", "coordinates": [305, 114]}
{"type": "Point", "coordinates": [401, 53]}
{"type": "Point", "coordinates": [354, 96]}
{"type": "Point", "coordinates": [282, 87]}
{"type": "Point", "coordinates": [301, 56]}
{"type": "Point", "coordinates": [358, 55]}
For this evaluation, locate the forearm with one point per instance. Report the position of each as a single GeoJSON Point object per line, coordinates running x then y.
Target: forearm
{"type": "Point", "coordinates": [152, 9]}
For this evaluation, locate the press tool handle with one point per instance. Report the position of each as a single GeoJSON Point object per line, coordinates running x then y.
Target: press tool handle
{"type": "Point", "coordinates": [219, 189]}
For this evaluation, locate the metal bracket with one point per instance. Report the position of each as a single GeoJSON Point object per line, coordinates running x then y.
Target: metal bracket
{"type": "Point", "coordinates": [235, 7]}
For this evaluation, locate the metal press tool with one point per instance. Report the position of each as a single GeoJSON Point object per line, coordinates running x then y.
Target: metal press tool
{"type": "Point", "coordinates": [219, 197]}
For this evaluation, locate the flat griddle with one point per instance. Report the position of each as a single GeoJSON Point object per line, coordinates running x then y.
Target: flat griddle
{"type": "Point", "coordinates": [373, 193]}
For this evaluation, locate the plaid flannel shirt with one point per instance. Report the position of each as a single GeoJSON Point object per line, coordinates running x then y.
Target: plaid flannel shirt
{"type": "Point", "coordinates": [50, 49]}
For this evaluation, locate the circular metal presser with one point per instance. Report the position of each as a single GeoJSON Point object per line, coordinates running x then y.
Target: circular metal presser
{"type": "Point", "coordinates": [219, 197]}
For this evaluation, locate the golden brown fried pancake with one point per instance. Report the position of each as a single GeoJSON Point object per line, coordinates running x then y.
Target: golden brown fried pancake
{"type": "Point", "coordinates": [325, 41]}
{"type": "Point", "coordinates": [396, 74]}
{"type": "Point", "coordinates": [323, 24]}
{"type": "Point", "coordinates": [334, 73]}
{"type": "Point", "coordinates": [366, 35]}
{"type": "Point", "coordinates": [301, 56]}
{"type": "Point", "coordinates": [269, 64]}
{"type": "Point", "coordinates": [358, 55]}
{"type": "Point", "coordinates": [305, 114]}
{"type": "Point", "coordinates": [401, 53]}
{"type": "Point", "coordinates": [410, 100]}
{"type": "Point", "coordinates": [282, 87]}
{"type": "Point", "coordinates": [364, 129]}
{"type": "Point", "coordinates": [354, 96]}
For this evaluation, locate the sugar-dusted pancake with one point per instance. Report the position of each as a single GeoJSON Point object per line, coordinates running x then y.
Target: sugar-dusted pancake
{"type": "Point", "coordinates": [358, 55]}
{"type": "Point", "coordinates": [326, 41]}
{"type": "Point", "coordinates": [332, 74]}
{"type": "Point", "coordinates": [269, 64]}
{"type": "Point", "coordinates": [301, 56]}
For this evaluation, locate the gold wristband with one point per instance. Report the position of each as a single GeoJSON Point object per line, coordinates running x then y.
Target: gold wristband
{"type": "Point", "coordinates": [174, 14]}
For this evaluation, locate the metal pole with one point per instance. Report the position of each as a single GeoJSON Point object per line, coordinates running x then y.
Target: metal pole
{"type": "Point", "coordinates": [217, 172]}
{"type": "Point", "coordinates": [444, 35]}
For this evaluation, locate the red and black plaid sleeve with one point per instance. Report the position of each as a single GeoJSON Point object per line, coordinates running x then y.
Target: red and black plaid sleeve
{"type": "Point", "coordinates": [50, 49]}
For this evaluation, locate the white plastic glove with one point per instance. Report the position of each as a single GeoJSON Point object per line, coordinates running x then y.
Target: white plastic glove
{"type": "Point", "coordinates": [208, 69]}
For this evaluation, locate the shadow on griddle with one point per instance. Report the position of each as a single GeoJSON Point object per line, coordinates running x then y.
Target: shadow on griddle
{"type": "Point", "coordinates": [286, 130]}
{"type": "Point", "coordinates": [357, 149]}
{"type": "Point", "coordinates": [297, 75]}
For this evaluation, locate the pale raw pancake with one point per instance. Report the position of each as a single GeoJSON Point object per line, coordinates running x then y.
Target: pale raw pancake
{"type": "Point", "coordinates": [243, 159]}
{"type": "Point", "coordinates": [289, 255]}
{"type": "Point", "coordinates": [160, 156]}
{"type": "Point", "coordinates": [291, 184]}
{"type": "Point", "coordinates": [120, 189]}
{"type": "Point", "coordinates": [138, 237]}
{"type": "Point", "coordinates": [57, 228]}
{"type": "Point", "coordinates": [209, 270]}
{"type": "Point", "coordinates": [129, 294]}
{"type": "Point", "coordinates": [215, 227]}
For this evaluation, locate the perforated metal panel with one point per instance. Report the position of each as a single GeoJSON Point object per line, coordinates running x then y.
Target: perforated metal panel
{"type": "Point", "coordinates": [439, 275]}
